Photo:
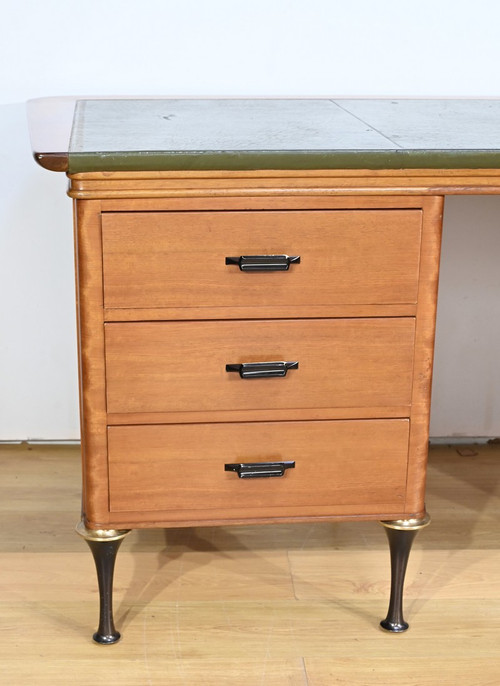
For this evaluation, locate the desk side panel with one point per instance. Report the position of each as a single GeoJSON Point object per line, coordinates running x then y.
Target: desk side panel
{"type": "Point", "coordinates": [91, 360]}
{"type": "Point", "coordinates": [424, 353]}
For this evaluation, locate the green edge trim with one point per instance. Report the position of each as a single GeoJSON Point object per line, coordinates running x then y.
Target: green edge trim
{"type": "Point", "coordinates": [290, 159]}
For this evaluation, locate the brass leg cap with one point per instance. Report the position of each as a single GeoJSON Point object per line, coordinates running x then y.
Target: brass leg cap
{"type": "Point", "coordinates": [100, 534]}
{"type": "Point", "coordinates": [408, 524]}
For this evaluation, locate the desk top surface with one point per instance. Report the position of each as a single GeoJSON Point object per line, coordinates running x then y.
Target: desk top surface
{"type": "Point", "coordinates": [87, 135]}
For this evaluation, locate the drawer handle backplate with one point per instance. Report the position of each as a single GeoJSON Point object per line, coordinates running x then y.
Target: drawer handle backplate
{"type": "Point", "coordinates": [262, 370]}
{"type": "Point", "coordinates": [258, 470]}
{"type": "Point", "coordinates": [264, 263]}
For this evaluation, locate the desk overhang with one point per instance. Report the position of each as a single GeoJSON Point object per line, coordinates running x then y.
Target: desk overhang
{"type": "Point", "coordinates": [245, 135]}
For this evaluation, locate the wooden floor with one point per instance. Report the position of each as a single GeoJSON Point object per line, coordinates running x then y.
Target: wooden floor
{"type": "Point", "coordinates": [250, 606]}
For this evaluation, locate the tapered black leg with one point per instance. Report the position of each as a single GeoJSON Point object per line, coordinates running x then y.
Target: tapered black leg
{"type": "Point", "coordinates": [401, 534]}
{"type": "Point", "coordinates": [104, 545]}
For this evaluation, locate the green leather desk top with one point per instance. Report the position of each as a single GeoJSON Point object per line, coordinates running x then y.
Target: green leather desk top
{"type": "Point", "coordinates": [247, 134]}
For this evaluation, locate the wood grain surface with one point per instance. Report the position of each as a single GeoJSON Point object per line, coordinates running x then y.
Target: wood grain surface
{"type": "Point", "coordinates": [178, 259]}
{"type": "Point", "coordinates": [181, 366]}
{"type": "Point", "coordinates": [89, 299]}
{"type": "Point", "coordinates": [176, 472]}
{"type": "Point", "coordinates": [272, 184]}
{"type": "Point", "coordinates": [424, 351]}
{"type": "Point", "coordinates": [380, 252]}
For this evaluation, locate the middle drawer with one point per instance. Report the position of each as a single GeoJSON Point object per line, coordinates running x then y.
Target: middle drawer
{"type": "Point", "coordinates": [181, 366]}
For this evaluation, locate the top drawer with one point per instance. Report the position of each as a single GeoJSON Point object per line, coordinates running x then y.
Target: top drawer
{"type": "Point", "coordinates": [178, 259]}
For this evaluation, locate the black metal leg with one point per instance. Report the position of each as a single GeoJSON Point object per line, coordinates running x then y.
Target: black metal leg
{"type": "Point", "coordinates": [401, 534]}
{"type": "Point", "coordinates": [104, 545]}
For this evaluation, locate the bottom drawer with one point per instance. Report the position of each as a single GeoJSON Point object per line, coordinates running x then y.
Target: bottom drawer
{"type": "Point", "coordinates": [354, 467]}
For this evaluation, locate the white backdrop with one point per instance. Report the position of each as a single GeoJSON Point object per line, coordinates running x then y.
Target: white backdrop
{"type": "Point", "coordinates": [232, 47]}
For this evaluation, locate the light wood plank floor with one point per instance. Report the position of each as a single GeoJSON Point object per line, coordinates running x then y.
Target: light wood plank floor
{"type": "Point", "coordinates": [250, 606]}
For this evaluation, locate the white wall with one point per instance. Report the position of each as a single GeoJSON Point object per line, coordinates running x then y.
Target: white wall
{"type": "Point", "coordinates": [231, 47]}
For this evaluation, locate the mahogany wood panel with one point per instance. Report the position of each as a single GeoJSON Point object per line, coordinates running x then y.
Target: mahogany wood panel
{"type": "Point", "coordinates": [181, 366]}
{"type": "Point", "coordinates": [342, 468]}
{"type": "Point", "coordinates": [91, 359]}
{"type": "Point", "coordinates": [265, 183]}
{"type": "Point", "coordinates": [178, 259]}
{"type": "Point", "coordinates": [424, 352]}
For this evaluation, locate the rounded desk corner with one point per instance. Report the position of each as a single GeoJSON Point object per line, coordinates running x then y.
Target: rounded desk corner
{"type": "Point", "coordinates": [53, 161]}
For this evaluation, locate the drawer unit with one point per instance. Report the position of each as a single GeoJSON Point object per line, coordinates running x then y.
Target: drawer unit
{"type": "Point", "coordinates": [250, 359]}
{"type": "Point", "coordinates": [339, 468]}
{"type": "Point", "coordinates": [183, 366]}
{"type": "Point", "coordinates": [178, 259]}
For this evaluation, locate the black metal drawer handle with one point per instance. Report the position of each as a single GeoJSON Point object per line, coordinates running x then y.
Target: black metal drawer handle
{"type": "Point", "coordinates": [263, 263]}
{"type": "Point", "coordinates": [259, 470]}
{"type": "Point", "coordinates": [261, 370]}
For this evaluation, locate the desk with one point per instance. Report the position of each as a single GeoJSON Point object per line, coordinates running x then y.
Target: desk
{"type": "Point", "coordinates": [256, 291]}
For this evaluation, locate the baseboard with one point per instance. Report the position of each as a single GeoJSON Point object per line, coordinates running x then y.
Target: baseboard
{"type": "Point", "coordinates": [463, 440]}
{"type": "Point", "coordinates": [39, 441]}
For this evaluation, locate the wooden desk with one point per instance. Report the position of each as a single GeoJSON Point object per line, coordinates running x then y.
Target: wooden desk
{"type": "Point", "coordinates": [256, 288]}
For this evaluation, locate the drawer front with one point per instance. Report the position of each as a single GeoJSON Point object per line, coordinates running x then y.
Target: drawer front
{"type": "Point", "coordinates": [341, 468]}
{"type": "Point", "coordinates": [181, 366]}
{"type": "Point", "coordinates": [178, 259]}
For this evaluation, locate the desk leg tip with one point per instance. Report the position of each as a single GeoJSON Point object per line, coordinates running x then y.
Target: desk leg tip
{"type": "Point", "coordinates": [394, 627]}
{"type": "Point", "coordinates": [106, 639]}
